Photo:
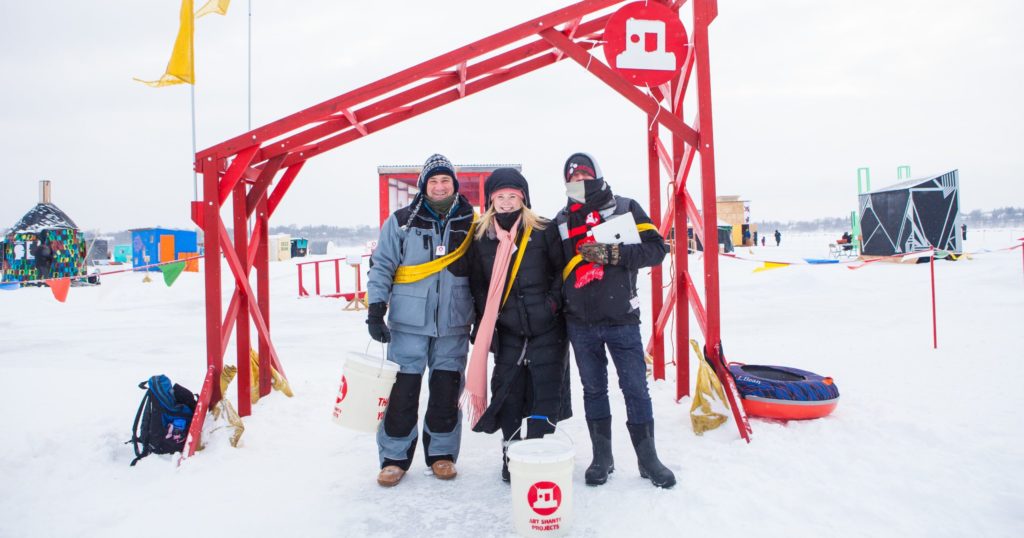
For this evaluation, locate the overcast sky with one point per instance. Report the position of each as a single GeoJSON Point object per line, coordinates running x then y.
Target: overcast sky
{"type": "Point", "coordinates": [804, 93]}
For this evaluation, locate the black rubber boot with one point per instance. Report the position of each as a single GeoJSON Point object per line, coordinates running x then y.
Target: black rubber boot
{"type": "Point", "coordinates": [505, 476]}
{"type": "Point", "coordinates": [510, 433]}
{"type": "Point", "coordinates": [651, 467]}
{"type": "Point", "coordinates": [603, 463]}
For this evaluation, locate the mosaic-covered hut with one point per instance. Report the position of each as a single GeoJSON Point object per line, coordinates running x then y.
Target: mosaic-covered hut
{"type": "Point", "coordinates": [45, 220]}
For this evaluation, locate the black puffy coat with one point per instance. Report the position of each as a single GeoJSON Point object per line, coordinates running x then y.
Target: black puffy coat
{"type": "Point", "coordinates": [536, 295]}
{"type": "Point", "coordinates": [612, 300]}
{"type": "Point", "coordinates": [530, 320]}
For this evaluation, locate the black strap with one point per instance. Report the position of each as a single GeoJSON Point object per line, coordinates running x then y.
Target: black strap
{"type": "Point", "coordinates": [135, 429]}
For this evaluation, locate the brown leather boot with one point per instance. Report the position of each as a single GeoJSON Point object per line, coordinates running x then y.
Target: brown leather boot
{"type": "Point", "coordinates": [444, 469]}
{"type": "Point", "coordinates": [390, 476]}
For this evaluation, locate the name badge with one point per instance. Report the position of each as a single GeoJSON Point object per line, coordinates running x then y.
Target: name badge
{"type": "Point", "coordinates": [440, 250]}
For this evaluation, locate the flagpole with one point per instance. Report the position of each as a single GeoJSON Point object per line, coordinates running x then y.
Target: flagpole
{"type": "Point", "coordinates": [250, 65]}
{"type": "Point", "coordinates": [192, 91]}
{"type": "Point", "coordinates": [249, 117]}
{"type": "Point", "coordinates": [195, 175]}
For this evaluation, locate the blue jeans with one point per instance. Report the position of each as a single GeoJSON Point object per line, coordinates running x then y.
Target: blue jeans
{"type": "Point", "coordinates": [627, 350]}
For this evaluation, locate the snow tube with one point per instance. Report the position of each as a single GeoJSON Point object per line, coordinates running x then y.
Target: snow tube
{"type": "Point", "coordinates": [784, 393]}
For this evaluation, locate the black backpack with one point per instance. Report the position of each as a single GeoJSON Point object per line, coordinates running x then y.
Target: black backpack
{"type": "Point", "coordinates": [165, 415]}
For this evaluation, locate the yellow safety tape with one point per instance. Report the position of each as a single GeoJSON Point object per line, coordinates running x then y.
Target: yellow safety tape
{"type": "Point", "coordinates": [515, 266]}
{"type": "Point", "coordinates": [413, 273]}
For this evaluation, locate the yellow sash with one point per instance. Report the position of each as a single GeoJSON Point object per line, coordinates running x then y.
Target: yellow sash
{"type": "Point", "coordinates": [406, 274]}
{"type": "Point", "coordinates": [577, 259]}
{"type": "Point", "coordinates": [515, 266]}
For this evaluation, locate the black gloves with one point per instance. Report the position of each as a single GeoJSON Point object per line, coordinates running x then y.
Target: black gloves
{"type": "Point", "coordinates": [375, 323]}
{"type": "Point", "coordinates": [601, 253]}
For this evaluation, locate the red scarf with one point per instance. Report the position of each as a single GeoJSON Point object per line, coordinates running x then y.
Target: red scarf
{"type": "Point", "coordinates": [580, 223]}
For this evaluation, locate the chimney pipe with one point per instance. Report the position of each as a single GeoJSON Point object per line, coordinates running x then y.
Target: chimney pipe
{"type": "Point", "coordinates": [44, 191]}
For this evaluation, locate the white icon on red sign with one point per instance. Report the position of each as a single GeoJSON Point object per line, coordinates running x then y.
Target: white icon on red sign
{"type": "Point", "coordinates": [646, 43]}
{"type": "Point", "coordinates": [544, 498]}
{"type": "Point", "coordinates": [639, 53]}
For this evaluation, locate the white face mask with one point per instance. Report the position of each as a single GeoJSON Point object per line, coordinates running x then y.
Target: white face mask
{"type": "Point", "coordinates": [576, 191]}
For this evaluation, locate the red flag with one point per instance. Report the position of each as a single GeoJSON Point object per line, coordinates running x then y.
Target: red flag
{"type": "Point", "coordinates": [59, 287]}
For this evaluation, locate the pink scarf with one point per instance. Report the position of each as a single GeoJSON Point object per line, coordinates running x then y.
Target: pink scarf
{"type": "Point", "coordinates": [474, 397]}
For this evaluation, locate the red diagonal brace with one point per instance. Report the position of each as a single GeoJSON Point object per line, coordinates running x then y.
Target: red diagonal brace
{"type": "Point", "coordinates": [353, 121]}
{"type": "Point", "coordinates": [262, 184]}
{"type": "Point", "coordinates": [227, 327]}
{"type": "Point", "coordinates": [234, 173]}
{"type": "Point", "coordinates": [570, 31]}
{"type": "Point", "coordinates": [282, 187]}
{"type": "Point", "coordinates": [195, 431]}
{"type": "Point", "coordinates": [642, 100]}
{"type": "Point", "coordinates": [677, 99]}
{"type": "Point", "coordinates": [697, 306]}
{"type": "Point", "coordinates": [462, 79]}
{"type": "Point", "coordinates": [243, 282]}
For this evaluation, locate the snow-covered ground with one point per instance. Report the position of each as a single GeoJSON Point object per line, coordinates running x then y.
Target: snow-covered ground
{"type": "Point", "coordinates": [924, 442]}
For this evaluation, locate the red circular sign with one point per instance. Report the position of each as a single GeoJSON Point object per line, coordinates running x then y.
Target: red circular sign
{"type": "Point", "coordinates": [544, 498]}
{"type": "Point", "coordinates": [343, 390]}
{"type": "Point", "coordinates": [646, 43]}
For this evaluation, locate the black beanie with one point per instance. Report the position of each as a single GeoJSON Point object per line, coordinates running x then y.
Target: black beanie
{"type": "Point", "coordinates": [581, 161]}
{"type": "Point", "coordinates": [505, 178]}
{"type": "Point", "coordinates": [436, 164]}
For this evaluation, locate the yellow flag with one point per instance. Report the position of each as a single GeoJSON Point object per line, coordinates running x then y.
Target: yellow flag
{"type": "Point", "coordinates": [768, 266]}
{"type": "Point", "coordinates": [181, 68]}
{"type": "Point", "coordinates": [219, 7]}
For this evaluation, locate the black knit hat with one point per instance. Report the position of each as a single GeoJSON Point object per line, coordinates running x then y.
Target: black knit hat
{"type": "Point", "coordinates": [437, 164]}
{"type": "Point", "coordinates": [505, 178]}
{"type": "Point", "coordinates": [581, 161]}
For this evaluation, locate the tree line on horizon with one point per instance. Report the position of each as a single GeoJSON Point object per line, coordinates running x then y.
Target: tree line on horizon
{"type": "Point", "coordinates": [1003, 217]}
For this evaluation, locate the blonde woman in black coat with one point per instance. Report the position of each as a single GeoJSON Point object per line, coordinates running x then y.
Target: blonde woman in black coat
{"type": "Point", "coordinates": [531, 351]}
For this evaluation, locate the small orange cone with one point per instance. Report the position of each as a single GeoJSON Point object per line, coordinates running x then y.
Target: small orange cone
{"type": "Point", "coordinates": [59, 287]}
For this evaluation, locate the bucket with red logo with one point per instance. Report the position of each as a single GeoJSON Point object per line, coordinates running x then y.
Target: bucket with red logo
{"type": "Point", "coordinates": [541, 471]}
{"type": "Point", "coordinates": [364, 391]}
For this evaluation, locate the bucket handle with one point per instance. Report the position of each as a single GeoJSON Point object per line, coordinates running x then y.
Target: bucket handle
{"type": "Point", "coordinates": [383, 357]}
{"type": "Point", "coordinates": [545, 419]}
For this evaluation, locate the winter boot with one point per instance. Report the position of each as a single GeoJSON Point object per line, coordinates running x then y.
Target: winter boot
{"type": "Point", "coordinates": [601, 439]}
{"type": "Point", "coordinates": [505, 476]}
{"type": "Point", "coordinates": [651, 467]}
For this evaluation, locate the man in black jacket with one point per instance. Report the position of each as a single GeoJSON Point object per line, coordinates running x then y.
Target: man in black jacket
{"type": "Point", "coordinates": [43, 253]}
{"type": "Point", "coordinates": [602, 310]}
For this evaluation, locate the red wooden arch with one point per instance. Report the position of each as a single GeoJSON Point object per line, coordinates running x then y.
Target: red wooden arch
{"type": "Point", "coordinates": [240, 171]}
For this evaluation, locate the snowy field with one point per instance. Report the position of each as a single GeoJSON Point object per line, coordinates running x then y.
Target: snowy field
{"type": "Point", "coordinates": [924, 442]}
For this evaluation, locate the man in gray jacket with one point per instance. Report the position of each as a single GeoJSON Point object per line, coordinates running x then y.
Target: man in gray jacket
{"type": "Point", "coordinates": [418, 269]}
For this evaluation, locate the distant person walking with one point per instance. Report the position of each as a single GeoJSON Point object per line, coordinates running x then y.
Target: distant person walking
{"type": "Point", "coordinates": [763, 240]}
{"type": "Point", "coordinates": [963, 231]}
{"type": "Point", "coordinates": [778, 238]}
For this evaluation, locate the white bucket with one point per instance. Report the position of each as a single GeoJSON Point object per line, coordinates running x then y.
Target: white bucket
{"type": "Point", "coordinates": [541, 472]}
{"type": "Point", "coordinates": [364, 392]}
